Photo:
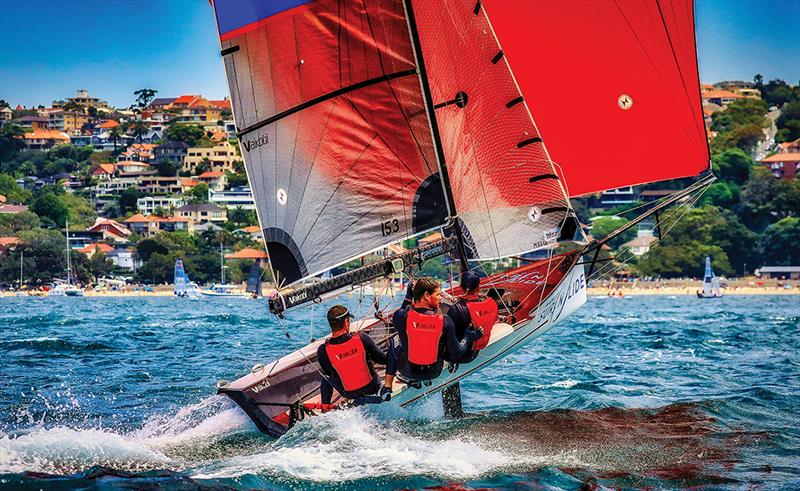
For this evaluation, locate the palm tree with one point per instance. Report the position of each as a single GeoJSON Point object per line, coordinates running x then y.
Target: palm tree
{"type": "Point", "coordinates": [115, 134]}
{"type": "Point", "coordinates": [138, 129]}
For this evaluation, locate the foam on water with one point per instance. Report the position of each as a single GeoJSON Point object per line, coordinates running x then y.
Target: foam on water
{"type": "Point", "coordinates": [349, 445]}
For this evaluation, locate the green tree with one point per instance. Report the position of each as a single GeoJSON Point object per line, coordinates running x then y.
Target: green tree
{"type": "Point", "coordinates": [198, 194]}
{"type": "Point", "coordinates": [744, 112]}
{"type": "Point", "coordinates": [138, 129]}
{"type": "Point", "coordinates": [722, 194]}
{"type": "Point", "coordinates": [187, 133]}
{"type": "Point", "coordinates": [144, 97]}
{"type": "Point", "coordinates": [10, 142]}
{"type": "Point", "coordinates": [158, 268]}
{"type": "Point", "coordinates": [45, 257]}
{"type": "Point", "coordinates": [148, 247]}
{"type": "Point", "coordinates": [127, 200]}
{"type": "Point", "coordinates": [115, 134]}
{"type": "Point", "coordinates": [732, 165]}
{"type": "Point", "coordinates": [166, 168]}
{"type": "Point", "coordinates": [765, 199]}
{"type": "Point", "coordinates": [14, 223]}
{"type": "Point", "coordinates": [236, 180]}
{"type": "Point", "coordinates": [781, 243]}
{"type": "Point", "coordinates": [73, 107]}
{"type": "Point", "coordinates": [788, 122]}
{"type": "Point", "coordinates": [51, 206]}
{"type": "Point", "coordinates": [744, 137]}
{"type": "Point", "coordinates": [683, 260]}
{"type": "Point", "coordinates": [100, 265]}
{"type": "Point", "coordinates": [707, 226]}
{"type": "Point", "coordinates": [12, 191]}
{"type": "Point", "coordinates": [82, 212]}
{"type": "Point", "coordinates": [604, 226]}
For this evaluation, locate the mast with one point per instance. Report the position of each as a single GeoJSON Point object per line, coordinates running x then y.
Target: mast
{"type": "Point", "coordinates": [21, 254]}
{"type": "Point", "coordinates": [69, 263]}
{"type": "Point", "coordinates": [437, 141]}
{"type": "Point", "coordinates": [221, 264]}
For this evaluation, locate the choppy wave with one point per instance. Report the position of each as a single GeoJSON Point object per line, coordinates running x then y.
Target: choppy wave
{"type": "Point", "coordinates": [593, 403]}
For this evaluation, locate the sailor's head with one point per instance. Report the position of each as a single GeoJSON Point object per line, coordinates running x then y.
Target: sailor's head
{"type": "Point", "coordinates": [427, 293]}
{"type": "Point", "coordinates": [339, 318]}
{"type": "Point", "coordinates": [470, 282]}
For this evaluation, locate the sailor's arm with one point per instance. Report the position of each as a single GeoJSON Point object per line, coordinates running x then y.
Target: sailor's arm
{"type": "Point", "coordinates": [373, 352]}
{"type": "Point", "coordinates": [456, 348]}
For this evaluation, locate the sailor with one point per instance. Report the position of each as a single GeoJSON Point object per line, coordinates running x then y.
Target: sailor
{"type": "Point", "coordinates": [346, 359]}
{"type": "Point", "coordinates": [423, 336]}
{"type": "Point", "coordinates": [472, 311]}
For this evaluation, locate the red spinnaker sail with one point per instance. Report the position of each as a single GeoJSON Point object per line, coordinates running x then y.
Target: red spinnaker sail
{"type": "Point", "coordinates": [612, 85]}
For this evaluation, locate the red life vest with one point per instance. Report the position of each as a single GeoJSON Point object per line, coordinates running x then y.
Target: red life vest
{"type": "Point", "coordinates": [423, 332]}
{"type": "Point", "coordinates": [349, 359]}
{"type": "Point", "coordinates": [483, 313]}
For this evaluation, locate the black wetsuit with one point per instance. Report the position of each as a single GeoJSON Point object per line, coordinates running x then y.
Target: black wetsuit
{"type": "Point", "coordinates": [459, 313]}
{"type": "Point", "coordinates": [450, 347]}
{"type": "Point", "coordinates": [374, 355]}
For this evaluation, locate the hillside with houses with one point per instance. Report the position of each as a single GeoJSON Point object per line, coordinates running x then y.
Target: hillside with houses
{"type": "Point", "coordinates": [164, 178]}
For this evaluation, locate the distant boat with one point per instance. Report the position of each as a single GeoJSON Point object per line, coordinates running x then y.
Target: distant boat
{"type": "Point", "coordinates": [181, 285]}
{"type": "Point", "coordinates": [254, 281]}
{"type": "Point", "coordinates": [62, 288]}
{"type": "Point", "coordinates": [222, 289]}
{"type": "Point", "coordinates": [710, 283]}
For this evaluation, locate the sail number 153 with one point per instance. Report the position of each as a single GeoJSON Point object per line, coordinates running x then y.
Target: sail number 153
{"type": "Point", "coordinates": [390, 227]}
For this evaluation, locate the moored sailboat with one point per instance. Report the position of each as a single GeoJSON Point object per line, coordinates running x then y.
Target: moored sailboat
{"type": "Point", "coordinates": [222, 289]}
{"type": "Point", "coordinates": [366, 123]}
{"type": "Point", "coordinates": [65, 288]}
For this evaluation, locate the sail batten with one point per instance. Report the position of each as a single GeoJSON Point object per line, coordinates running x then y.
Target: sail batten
{"type": "Point", "coordinates": [614, 90]}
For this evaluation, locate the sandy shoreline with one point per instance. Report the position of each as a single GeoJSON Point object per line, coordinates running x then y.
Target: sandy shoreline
{"type": "Point", "coordinates": [592, 292]}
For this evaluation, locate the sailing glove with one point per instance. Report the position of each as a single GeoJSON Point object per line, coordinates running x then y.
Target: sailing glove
{"type": "Point", "coordinates": [385, 394]}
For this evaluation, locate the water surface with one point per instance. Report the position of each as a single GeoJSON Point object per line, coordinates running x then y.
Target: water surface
{"type": "Point", "coordinates": [658, 392]}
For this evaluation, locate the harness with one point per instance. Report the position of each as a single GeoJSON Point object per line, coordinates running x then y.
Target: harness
{"type": "Point", "coordinates": [424, 332]}
{"type": "Point", "coordinates": [483, 314]}
{"type": "Point", "coordinates": [349, 359]}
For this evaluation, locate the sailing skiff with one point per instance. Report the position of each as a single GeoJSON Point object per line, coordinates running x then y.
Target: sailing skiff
{"type": "Point", "coordinates": [366, 123]}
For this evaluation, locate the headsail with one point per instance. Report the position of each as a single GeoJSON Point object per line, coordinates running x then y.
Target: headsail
{"type": "Point", "coordinates": [710, 281]}
{"type": "Point", "coordinates": [605, 80]}
{"type": "Point", "coordinates": [332, 128]}
{"type": "Point", "coordinates": [506, 189]}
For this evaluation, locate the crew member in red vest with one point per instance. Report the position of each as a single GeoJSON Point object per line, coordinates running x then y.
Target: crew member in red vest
{"type": "Point", "coordinates": [472, 311]}
{"type": "Point", "coordinates": [346, 359]}
{"type": "Point", "coordinates": [423, 336]}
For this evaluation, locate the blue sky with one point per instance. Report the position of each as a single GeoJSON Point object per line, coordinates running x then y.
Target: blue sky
{"type": "Point", "coordinates": [50, 48]}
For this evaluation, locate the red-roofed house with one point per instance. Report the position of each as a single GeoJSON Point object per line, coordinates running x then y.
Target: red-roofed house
{"type": "Point", "coordinates": [108, 124]}
{"type": "Point", "coordinates": [112, 230]}
{"type": "Point", "coordinates": [254, 231]}
{"type": "Point", "coordinates": [215, 180]}
{"type": "Point", "coordinates": [91, 249]}
{"type": "Point", "coordinates": [138, 152]}
{"type": "Point", "coordinates": [224, 104]}
{"type": "Point", "coordinates": [720, 97]}
{"type": "Point", "coordinates": [40, 139]}
{"type": "Point", "coordinates": [789, 147]}
{"type": "Point", "coordinates": [104, 172]}
{"type": "Point", "coordinates": [784, 165]}
{"type": "Point", "coordinates": [152, 224]}
{"type": "Point", "coordinates": [248, 253]}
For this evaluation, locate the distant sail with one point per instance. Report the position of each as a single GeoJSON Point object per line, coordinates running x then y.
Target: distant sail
{"type": "Point", "coordinates": [613, 86]}
{"type": "Point", "coordinates": [338, 149]}
{"type": "Point", "coordinates": [254, 279]}
{"type": "Point", "coordinates": [710, 281]}
{"type": "Point", "coordinates": [181, 284]}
